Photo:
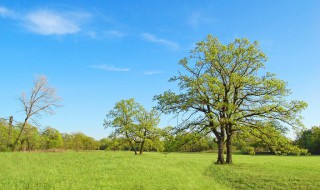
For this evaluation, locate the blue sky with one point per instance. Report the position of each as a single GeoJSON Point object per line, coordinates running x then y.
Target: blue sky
{"type": "Point", "coordinates": [96, 53]}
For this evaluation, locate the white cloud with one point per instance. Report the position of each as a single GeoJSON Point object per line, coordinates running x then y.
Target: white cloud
{"type": "Point", "coordinates": [109, 68]}
{"type": "Point", "coordinates": [196, 19]}
{"type": "Point", "coordinates": [53, 22]}
{"type": "Point", "coordinates": [46, 22]}
{"type": "Point", "coordinates": [106, 34]}
{"type": "Point", "coordinates": [114, 34]}
{"type": "Point", "coordinates": [151, 38]}
{"type": "Point", "coordinates": [6, 13]}
{"type": "Point", "coordinates": [152, 72]}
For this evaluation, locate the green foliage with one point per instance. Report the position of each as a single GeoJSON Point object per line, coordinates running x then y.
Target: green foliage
{"type": "Point", "coordinates": [248, 150]}
{"type": "Point", "coordinates": [79, 141]}
{"type": "Point", "coordinates": [223, 90]}
{"type": "Point", "coordinates": [3, 135]}
{"type": "Point", "coordinates": [137, 125]}
{"type": "Point", "coordinates": [268, 137]}
{"type": "Point", "coordinates": [310, 139]}
{"type": "Point", "coordinates": [30, 138]}
{"type": "Point", "coordinates": [52, 138]}
{"type": "Point", "coordinates": [104, 143]}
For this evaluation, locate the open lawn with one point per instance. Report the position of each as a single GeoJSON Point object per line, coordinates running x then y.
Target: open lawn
{"type": "Point", "coordinates": [123, 170]}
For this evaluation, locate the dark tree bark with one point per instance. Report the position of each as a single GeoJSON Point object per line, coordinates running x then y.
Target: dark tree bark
{"type": "Point", "coordinates": [220, 159]}
{"type": "Point", "coordinates": [134, 149]}
{"type": "Point", "coordinates": [229, 149]}
{"type": "Point", "coordinates": [141, 147]}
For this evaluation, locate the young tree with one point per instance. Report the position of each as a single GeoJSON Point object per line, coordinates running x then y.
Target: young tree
{"type": "Point", "coordinates": [223, 92]}
{"type": "Point", "coordinates": [123, 118]}
{"type": "Point", "coordinates": [134, 123]}
{"type": "Point", "coordinates": [42, 100]}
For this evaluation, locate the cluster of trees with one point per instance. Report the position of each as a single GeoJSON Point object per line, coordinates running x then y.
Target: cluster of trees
{"type": "Point", "coordinates": [310, 139]}
{"type": "Point", "coordinates": [31, 139]}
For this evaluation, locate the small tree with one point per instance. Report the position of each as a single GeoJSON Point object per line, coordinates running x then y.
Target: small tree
{"type": "Point", "coordinates": [42, 100]}
{"type": "Point", "coordinates": [222, 91]}
{"type": "Point", "coordinates": [131, 121]}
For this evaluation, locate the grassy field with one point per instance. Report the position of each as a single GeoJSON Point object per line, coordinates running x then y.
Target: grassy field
{"type": "Point", "coordinates": [123, 170]}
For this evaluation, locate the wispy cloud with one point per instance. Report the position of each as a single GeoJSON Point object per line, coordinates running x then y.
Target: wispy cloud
{"type": "Point", "coordinates": [151, 38]}
{"type": "Point", "coordinates": [196, 19]}
{"type": "Point", "coordinates": [59, 22]}
{"type": "Point", "coordinates": [106, 34]}
{"type": "Point", "coordinates": [152, 72]}
{"type": "Point", "coordinates": [47, 22]}
{"type": "Point", "coordinates": [109, 68]}
{"type": "Point", "coordinates": [7, 13]}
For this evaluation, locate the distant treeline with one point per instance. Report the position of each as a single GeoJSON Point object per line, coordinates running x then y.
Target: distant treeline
{"type": "Point", "coordinates": [50, 139]}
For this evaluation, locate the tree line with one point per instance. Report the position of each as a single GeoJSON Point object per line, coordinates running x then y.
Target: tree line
{"type": "Point", "coordinates": [33, 139]}
{"type": "Point", "coordinates": [168, 140]}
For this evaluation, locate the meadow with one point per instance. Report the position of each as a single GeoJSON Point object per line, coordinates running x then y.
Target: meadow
{"type": "Point", "coordinates": [123, 170]}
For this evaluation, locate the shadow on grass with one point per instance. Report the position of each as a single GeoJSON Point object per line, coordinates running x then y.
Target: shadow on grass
{"type": "Point", "coordinates": [255, 176]}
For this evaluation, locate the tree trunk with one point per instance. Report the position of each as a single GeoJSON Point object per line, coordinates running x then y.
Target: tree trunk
{"type": "Point", "coordinates": [220, 159]}
{"type": "Point", "coordinates": [135, 151]}
{"type": "Point", "coordinates": [141, 147]}
{"type": "Point", "coordinates": [9, 141]}
{"type": "Point", "coordinates": [134, 148]}
{"type": "Point", "coordinates": [131, 144]}
{"type": "Point", "coordinates": [229, 149]}
{"type": "Point", "coordinates": [20, 133]}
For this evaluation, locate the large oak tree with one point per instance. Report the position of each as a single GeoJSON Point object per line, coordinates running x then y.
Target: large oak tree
{"type": "Point", "coordinates": [223, 91]}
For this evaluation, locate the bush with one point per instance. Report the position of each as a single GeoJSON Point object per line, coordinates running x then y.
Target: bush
{"type": "Point", "coordinates": [248, 150]}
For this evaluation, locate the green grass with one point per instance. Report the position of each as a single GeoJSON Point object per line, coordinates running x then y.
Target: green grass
{"type": "Point", "coordinates": [123, 170]}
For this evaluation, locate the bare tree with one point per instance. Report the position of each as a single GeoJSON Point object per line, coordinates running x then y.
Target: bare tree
{"type": "Point", "coordinates": [42, 100]}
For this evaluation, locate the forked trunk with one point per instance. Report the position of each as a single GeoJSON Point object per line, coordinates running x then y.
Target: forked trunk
{"type": "Point", "coordinates": [229, 149]}
{"type": "Point", "coordinates": [141, 147]}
